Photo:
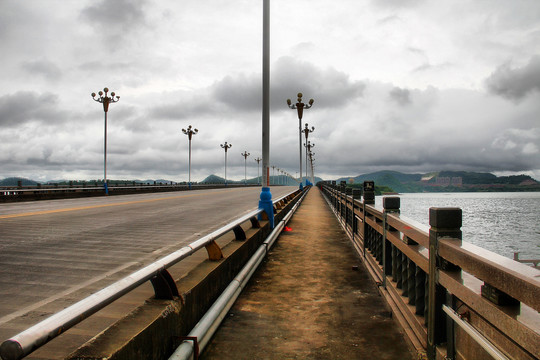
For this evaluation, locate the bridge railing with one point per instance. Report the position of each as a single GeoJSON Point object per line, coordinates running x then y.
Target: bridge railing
{"type": "Point", "coordinates": [164, 285]}
{"type": "Point", "coordinates": [43, 192]}
{"type": "Point", "coordinates": [453, 299]}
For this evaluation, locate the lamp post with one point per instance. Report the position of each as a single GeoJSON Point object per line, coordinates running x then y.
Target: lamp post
{"type": "Point", "coordinates": [105, 100]}
{"type": "Point", "coordinates": [308, 147]}
{"type": "Point", "coordinates": [311, 160]}
{"type": "Point", "coordinates": [226, 147]}
{"type": "Point", "coordinates": [300, 106]}
{"type": "Point", "coordinates": [265, 202]}
{"type": "Point", "coordinates": [245, 155]}
{"type": "Point", "coordinates": [258, 160]}
{"type": "Point", "coordinates": [190, 132]}
{"type": "Point", "coordinates": [306, 132]}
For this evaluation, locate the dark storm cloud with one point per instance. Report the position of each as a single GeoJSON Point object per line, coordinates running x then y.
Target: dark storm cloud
{"type": "Point", "coordinates": [400, 96]}
{"type": "Point", "coordinates": [242, 92]}
{"type": "Point", "coordinates": [397, 3]}
{"type": "Point", "coordinates": [43, 68]}
{"type": "Point", "coordinates": [25, 106]}
{"type": "Point", "coordinates": [185, 106]}
{"type": "Point", "coordinates": [515, 83]}
{"type": "Point", "coordinates": [329, 87]}
{"type": "Point", "coordinates": [120, 14]}
{"type": "Point", "coordinates": [115, 22]}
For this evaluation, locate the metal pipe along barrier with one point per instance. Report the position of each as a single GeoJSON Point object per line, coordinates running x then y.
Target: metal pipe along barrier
{"type": "Point", "coordinates": [32, 338]}
{"type": "Point", "coordinates": [479, 338]}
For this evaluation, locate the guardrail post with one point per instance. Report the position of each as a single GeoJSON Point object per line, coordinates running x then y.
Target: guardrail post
{"type": "Point", "coordinates": [265, 203]}
{"type": "Point", "coordinates": [341, 199]}
{"type": "Point", "coordinates": [444, 222]}
{"type": "Point", "coordinates": [369, 198]}
{"type": "Point", "coordinates": [391, 204]}
{"type": "Point", "coordinates": [348, 193]}
{"type": "Point", "coordinates": [357, 195]}
{"type": "Point", "coordinates": [369, 192]}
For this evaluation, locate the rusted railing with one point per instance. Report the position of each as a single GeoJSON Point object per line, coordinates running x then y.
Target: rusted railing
{"type": "Point", "coordinates": [433, 280]}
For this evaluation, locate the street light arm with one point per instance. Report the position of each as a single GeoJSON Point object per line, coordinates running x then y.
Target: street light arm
{"type": "Point", "coordinates": [290, 104]}
{"type": "Point", "coordinates": [104, 99]}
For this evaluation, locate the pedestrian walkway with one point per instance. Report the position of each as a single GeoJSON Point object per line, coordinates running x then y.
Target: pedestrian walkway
{"type": "Point", "coordinates": [311, 299]}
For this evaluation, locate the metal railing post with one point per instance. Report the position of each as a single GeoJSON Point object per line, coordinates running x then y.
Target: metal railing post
{"type": "Point", "coordinates": [444, 222]}
{"type": "Point", "coordinates": [391, 204]}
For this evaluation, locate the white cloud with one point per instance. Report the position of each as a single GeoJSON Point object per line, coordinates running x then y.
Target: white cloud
{"type": "Point", "coordinates": [396, 85]}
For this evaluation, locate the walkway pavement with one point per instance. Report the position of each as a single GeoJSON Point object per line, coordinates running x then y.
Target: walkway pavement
{"type": "Point", "coordinates": [307, 301]}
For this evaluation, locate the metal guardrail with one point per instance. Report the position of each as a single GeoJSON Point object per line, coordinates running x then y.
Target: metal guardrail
{"type": "Point", "coordinates": [26, 193]}
{"type": "Point", "coordinates": [420, 270]}
{"type": "Point", "coordinates": [208, 324]}
{"type": "Point", "coordinates": [34, 337]}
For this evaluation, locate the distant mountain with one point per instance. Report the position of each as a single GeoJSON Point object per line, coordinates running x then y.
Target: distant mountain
{"type": "Point", "coordinates": [14, 181]}
{"type": "Point", "coordinates": [274, 180]}
{"type": "Point", "coordinates": [214, 179]}
{"type": "Point", "coordinates": [447, 181]}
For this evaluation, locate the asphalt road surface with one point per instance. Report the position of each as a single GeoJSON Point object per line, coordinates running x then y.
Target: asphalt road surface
{"type": "Point", "coordinates": [54, 253]}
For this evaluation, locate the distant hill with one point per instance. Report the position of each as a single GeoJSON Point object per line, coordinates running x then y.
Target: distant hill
{"type": "Point", "coordinates": [274, 180]}
{"type": "Point", "coordinates": [448, 181]}
{"type": "Point", "coordinates": [14, 181]}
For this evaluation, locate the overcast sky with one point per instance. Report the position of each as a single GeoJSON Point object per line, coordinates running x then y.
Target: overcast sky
{"type": "Point", "coordinates": [406, 85]}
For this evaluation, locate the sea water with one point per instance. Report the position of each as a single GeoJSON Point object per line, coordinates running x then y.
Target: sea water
{"type": "Point", "coordinates": [500, 222]}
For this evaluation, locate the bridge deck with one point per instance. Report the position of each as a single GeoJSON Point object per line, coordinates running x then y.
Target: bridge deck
{"type": "Point", "coordinates": [54, 253]}
{"type": "Point", "coordinates": [307, 301]}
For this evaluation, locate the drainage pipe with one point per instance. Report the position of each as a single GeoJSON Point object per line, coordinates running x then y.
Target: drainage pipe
{"type": "Point", "coordinates": [207, 326]}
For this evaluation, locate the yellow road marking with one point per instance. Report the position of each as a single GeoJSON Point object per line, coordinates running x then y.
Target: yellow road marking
{"type": "Point", "coordinates": [46, 212]}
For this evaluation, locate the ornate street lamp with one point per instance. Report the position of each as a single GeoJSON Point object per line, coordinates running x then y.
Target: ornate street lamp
{"type": "Point", "coordinates": [308, 147]}
{"type": "Point", "coordinates": [258, 160]}
{"type": "Point", "coordinates": [226, 147]}
{"type": "Point", "coordinates": [311, 160]}
{"type": "Point", "coordinates": [245, 155]}
{"type": "Point", "coordinates": [306, 132]}
{"type": "Point", "coordinates": [190, 132]}
{"type": "Point", "coordinates": [300, 106]}
{"type": "Point", "coordinates": [105, 100]}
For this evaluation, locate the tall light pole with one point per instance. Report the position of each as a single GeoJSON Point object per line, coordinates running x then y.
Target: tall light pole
{"type": "Point", "coordinates": [311, 160]}
{"type": "Point", "coordinates": [265, 202]}
{"type": "Point", "coordinates": [245, 155]}
{"type": "Point", "coordinates": [308, 145]}
{"type": "Point", "coordinates": [226, 147]}
{"type": "Point", "coordinates": [300, 106]}
{"type": "Point", "coordinates": [258, 160]}
{"type": "Point", "coordinates": [306, 132]}
{"type": "Point", "coordinates": [105, 100]}
{"type": "Point", "coordinates": [190, 132]}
